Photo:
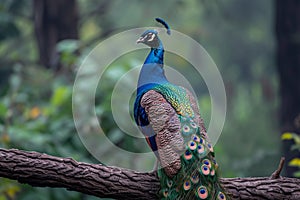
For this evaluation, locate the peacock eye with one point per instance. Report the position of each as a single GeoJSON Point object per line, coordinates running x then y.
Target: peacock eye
{"type": "Point", "coordinates": [196, 138]}
{"type": "Point", "coordinates": [169, 183]}
{"type": "Point", "coordinates": [210, 147]}
{"type": "Point", "coordinates": [186, 185]}
{"type": "Point", "coordinates": [186, 128]}
{"type": "Point", "coordinates": [165, 193]}
{"type": "Point", "coordinates": [193, 125]}
{"type": "Point", "coordinates": [221, 196]}
{"type": "Point", "coordinates": [192, 145]}
{"type": "Point", "coordinates": [202, 192]}
{"type": "Point", "coordinates": [205, 170]}
{"type": "Point", "coordinates": [195, 178]}
{"type": "Point", "coordinates": [201, 141]}
{"type": "Point", "coordinates": [188, 155]}
{"type": "Point", "coordinates": [207, 162]}
{"type": "Point", "coordinates": [200, 149]}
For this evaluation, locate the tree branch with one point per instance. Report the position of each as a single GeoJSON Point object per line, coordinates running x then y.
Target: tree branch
{"type": "Point", "coordinates": [276, 173]}
{"type": "Point", "coordinates": [44, 170]}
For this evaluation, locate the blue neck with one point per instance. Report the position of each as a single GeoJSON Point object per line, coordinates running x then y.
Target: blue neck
{"type": "Point", "coordinates": [152, 70]}
{"type": "Point", "coordinates": [156, 55]}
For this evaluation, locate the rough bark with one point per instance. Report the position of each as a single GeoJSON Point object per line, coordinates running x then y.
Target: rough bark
{"type": "Point", "coordinates": [43, 170]}
{"type": "Point", "coordinates": [288, 65]}
{"type": "Point", "coordinates": [54, 21]}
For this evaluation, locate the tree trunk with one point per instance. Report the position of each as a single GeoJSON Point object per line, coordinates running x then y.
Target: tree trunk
{"type": "Point", "coordinates": [54, 21]}
{"type": "Point", "coordinates": [42, 170]}
{"type": "Point", "coordinates": [288, 65]}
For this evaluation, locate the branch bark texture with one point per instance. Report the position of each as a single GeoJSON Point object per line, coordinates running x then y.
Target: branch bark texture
{"type": "Point", "coordinates": [43, 170]}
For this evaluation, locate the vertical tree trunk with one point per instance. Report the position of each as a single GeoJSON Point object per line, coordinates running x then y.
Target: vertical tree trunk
{"type": "Point", "coordinates": [288, 63]}
{"type": "Point", "coordinates": [54, 21]}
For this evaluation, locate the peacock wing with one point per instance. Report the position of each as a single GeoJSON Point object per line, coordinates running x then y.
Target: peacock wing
{"type": "Point", "coordinates": [166, 124]}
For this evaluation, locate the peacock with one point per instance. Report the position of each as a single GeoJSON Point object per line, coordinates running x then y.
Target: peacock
{"type": "Point", "coordinates": [169, 118]}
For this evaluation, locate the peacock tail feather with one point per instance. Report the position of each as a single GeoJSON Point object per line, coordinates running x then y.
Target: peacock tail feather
{"type": "Point", "coordinates": [189, 170]}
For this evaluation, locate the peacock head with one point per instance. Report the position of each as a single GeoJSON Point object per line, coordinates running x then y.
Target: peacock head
{"type": "Point", "coordinates": [150, 37]}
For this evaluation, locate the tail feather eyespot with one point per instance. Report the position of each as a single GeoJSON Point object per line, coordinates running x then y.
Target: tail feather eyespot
{"type": "Point", "coordinates": [165, 192]}
{"type": "Point", "coordinates": [186, 129]}
{"type": "Point", "coordinates": [169, 183]}
{"type": "Point", "coordinates": [210, 147]}
{"type": "Point", "coordinates": [196, 138]}
{"type": "Point", "coordinates": [192, 145]}
{"type": "Point", "coordinates": [193, 125]}
{"type": "Point", "coordinates": [221, 196]}
{"type": "Point", "coordinates": [202, 192]}
{"type": "Point", "coordinates": [202, 141]}
{"type": "Point", "coordinates": [205, 170]}
{"type": "Point", "coordinates": [188, 155]}
{"type": "Point", "coordinates": [186, 185]}
{"type": "Point", "coordinates": [207, 162]}
{"type": "Point", "coordinates": [195, 178]}
{"type": "Point", "coordinates": [200, 149]}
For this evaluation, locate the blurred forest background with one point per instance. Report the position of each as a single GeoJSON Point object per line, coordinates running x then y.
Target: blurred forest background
{"type": "Point", "coordinates": [42, 43]}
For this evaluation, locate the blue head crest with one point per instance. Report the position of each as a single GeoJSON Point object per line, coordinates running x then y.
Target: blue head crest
{"type": "Point", "coordinates": [150, 38]}
{"type": "Point", "coordinates": [165, 25]}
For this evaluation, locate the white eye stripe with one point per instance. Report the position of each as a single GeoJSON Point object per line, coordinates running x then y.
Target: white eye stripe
{"type": "Point", "coordinates": [145, 37]}
{"type": "Point", "coordinates": [152, 38]}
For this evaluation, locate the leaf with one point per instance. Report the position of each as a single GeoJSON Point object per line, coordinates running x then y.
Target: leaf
{"type": "Point", "coordinates": [61, 94]}
{"type": "Point", "coordinates": [34, 112]}
{"type": "Point", "coordinates": [295, 147]}
{"type": "Point", "coordinates": [12, 191]}
{"type": "Point", "coordinates": [296, 138]}
{"type": "Point", "coordinates": [297, 174]}
{"type": "Point", "coordinates": [69, 46]}
{"type": "Point", "coordinates": [8, 188]}
{"type": "Point", "coordinates": [295, 162]}
{"type": "Point", "coordinates": [3, 109]}
{"type": "Point", "coordinates": [287, 136]}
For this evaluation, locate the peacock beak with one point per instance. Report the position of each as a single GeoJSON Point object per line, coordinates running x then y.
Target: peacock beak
{"type": "Point", "coordinates": [140, 40]}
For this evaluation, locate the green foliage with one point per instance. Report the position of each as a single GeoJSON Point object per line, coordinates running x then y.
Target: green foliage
{"type": "Point", "coordinates": [67, 50]}
{"type": "Point", "coordinates": [295, 162]}
{"type": "Point", "coordinates": [8, 189]}
{"type": "Point", "coordinates": [36, 115]}
{"type": "Point", "coordinates": [8, 25]}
